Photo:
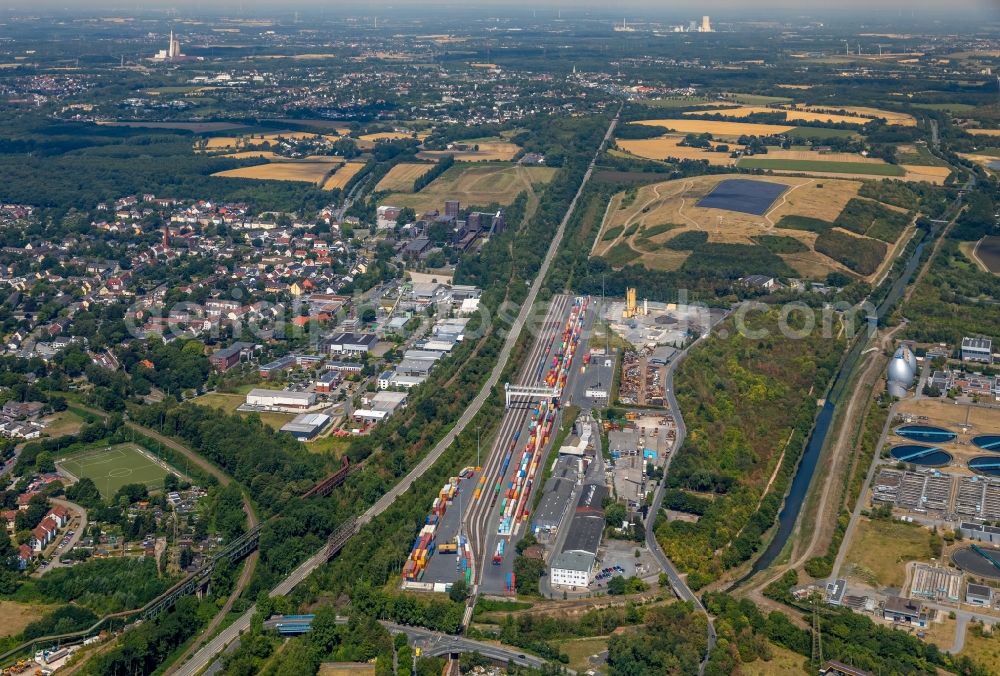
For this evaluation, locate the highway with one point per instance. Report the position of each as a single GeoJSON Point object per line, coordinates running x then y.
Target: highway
{"type": "Point", "coordinates": [676, 581]}
{"type": "Point", "coordinates": [205, 655]}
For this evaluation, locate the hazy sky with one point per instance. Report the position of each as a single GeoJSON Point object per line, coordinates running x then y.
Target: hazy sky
{"type": "Point", "coordinates": [742, 7]}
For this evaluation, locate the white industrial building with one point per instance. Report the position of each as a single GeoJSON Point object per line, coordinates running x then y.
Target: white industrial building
{"type": "Point", "coordinates": [380, 406]}
{"type": "Point", "coordinates": [572, 569]}
{"type": "Point", "coordinates": [280, 399]}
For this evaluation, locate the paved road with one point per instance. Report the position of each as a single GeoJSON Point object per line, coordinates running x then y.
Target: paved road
{"type": "Point", "coordinates": [676, 581]}
{"type": "Point", "coordinates": [435, 643]}
{"type": "Point", "coordinates": [205, 656]}
{"type": "Point", "coordinates": [77, 534]}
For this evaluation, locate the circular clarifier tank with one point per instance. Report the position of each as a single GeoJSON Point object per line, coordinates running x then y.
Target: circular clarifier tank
{"type": "Point", "coordinates": [988, 442]}
{"type": "Point", "coordinates": [985, 464]}
{"type": "Point", "coordinates": [926, 434]}
{"type": "Point", "coordinates": [916, 454]}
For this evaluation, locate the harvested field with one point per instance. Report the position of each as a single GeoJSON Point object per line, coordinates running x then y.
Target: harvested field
{"type": "Point", "coordinates": [984, 132]}
{"type": "Point", "coordinates": [489, 151]}
{"type": "Point", "coordinates": [792, 115]}
{"type": "Point", "coordinates": [935, 175]}
{"type": "Point", "coordinates": [665, 211]}
{"type": "Point", "coordinates": [401, 177]}
{"type": "Point", "coordinates": [262, 154]}
{"type": "Point", "coordinates": [722, 129]}
{"type": "Point", "coordinates": [223, 143]}
{"type": "Point", "coordinates": [901, 119]}
{"type": "Point", "coordinates": [473, 184]}
{"type": "Point", "coordinates": [343, 175]}
{"type": "Point", "coordinates": [666, 147]}
{"type": "Point", "coordinates": [305, 172]}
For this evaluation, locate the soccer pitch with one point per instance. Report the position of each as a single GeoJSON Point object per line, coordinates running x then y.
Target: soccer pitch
{"type": "Point", "coordinates": [113, 467]}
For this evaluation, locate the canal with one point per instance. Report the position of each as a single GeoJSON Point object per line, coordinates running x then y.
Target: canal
{"type": "Point", "coordinates": [810, 459]}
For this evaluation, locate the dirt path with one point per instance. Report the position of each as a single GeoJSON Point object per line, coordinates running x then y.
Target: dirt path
{"type": "Point", "coordinates": [629, 222]}
{"type": "Point", "coordinates": [784, 201]}
{"type": "Point", "coordinates": [827, 511]}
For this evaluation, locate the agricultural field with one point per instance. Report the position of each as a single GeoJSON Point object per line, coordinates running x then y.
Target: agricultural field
{"type": "Point", "coordinates": [473, 185]}
{"type": "Point", "coordinates": [985, 158]}
{"type": "Point", "coordinates": [305, 172]}
{"type": "Point", "coordinates": [488, 151]}
{"type": "Point", "coordinates": [791, 114]}
{"type": "Point", "coordinates": [891, 117]}
{"type": "Point", "coordinates": [755, 99]}
{"type": "Point", "coordinates": [234, 143]}
{"type": "Point", "coordinates": [880, 550]}
{"type": "Point", "coordinates": [662, 226]}
{"type": "Point", "coordinates": [401, 177]}
{"type": "Point", "coordinates": [343, 175]}
{"type": "Point", "coordinates": [732, 130]}
{"type": "Point", "coordinates": [391, 136]}
{"type": "Point", "coordinates": [678, 102]}
{"type": "Point", "coordinates": [822, 165]}
{"type": "Point", "coordinates": [984, 132]}
{"type": "Point", "coordinates": [665, 147]}
{"type": "Point", "coordinates": [113, 467]}
{"type": "Point", "coordinates": [917, 154]}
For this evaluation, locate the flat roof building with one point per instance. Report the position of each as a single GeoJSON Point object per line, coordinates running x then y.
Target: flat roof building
{"type": "Point", "coordinates": [902, 609]}
{"type": "Point", "coordinates": [414, 367]}
{"type": "Point", "coordinates": [350, 343]}
{"type": "Point", "coordinates": [977, 349]}
{"type": "Point", "coordinates": [307, 426]}
{"type": "Point", "coordinates": [258, 398]}
{"type": "Point", "coordinates": [980, 532]}
{"type": "Point", "coordinates": [380, 406]}
{"type": "Point", "coordinates": [978, 594]}
{"type": "Point", "coordinates": [573, 566]}
{"type": "Point", "coordinates": [281, 364]}
{"type": "Point", "coordinates": [572, 569]}
{"type": "Point", "coordinates": [557, 495]}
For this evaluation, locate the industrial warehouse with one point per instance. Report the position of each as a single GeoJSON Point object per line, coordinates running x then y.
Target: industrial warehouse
{"type": "Point", "coordinates": [574, 564]}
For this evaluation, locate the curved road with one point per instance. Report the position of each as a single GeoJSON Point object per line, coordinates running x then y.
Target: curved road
{"type": "Point", "coordinates": [676, 581]}
{"type": "Point", "coordinates": [77, 534]}
{"type": "Point", "coordinates": [208, 653]}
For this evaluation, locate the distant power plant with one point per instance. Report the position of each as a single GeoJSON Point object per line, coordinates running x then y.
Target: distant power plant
{"type": "Point", "coordinates": [694, 27]}
{"type": "Point", "coordinates": [172, 52]}
{"type": "Point", "coordinates": [902, 372]}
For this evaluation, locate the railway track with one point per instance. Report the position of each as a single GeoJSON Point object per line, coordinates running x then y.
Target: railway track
{"type": "Point", "coordinates": [478, 520]}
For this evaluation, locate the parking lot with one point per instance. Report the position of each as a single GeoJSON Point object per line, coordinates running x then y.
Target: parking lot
{"type": "Point", "coordinates": [619, 556]}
